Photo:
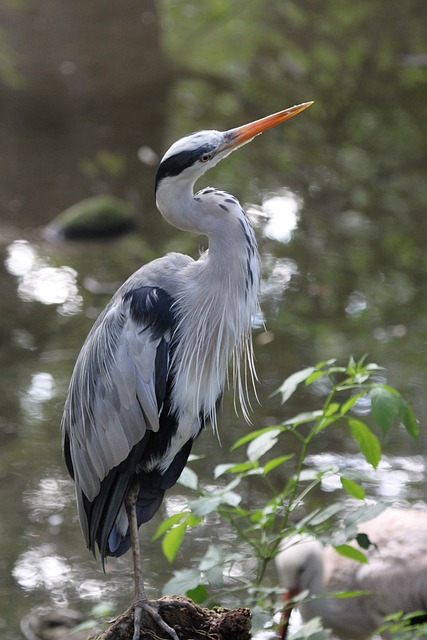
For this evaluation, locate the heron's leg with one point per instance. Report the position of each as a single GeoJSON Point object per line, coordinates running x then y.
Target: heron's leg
{"type": "Point", "coordinates": [141, 601]}
{"type": "Point", "coordinates": [130, 505]}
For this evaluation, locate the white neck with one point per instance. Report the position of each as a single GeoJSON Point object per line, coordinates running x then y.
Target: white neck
{"type": "Point", "coordinates": [175, 201]}
{"type": "Point", "coordinates": [221, 294]}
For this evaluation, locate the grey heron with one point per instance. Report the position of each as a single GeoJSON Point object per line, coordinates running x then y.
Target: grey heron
{"type": "Point", "coordinates": [154, 365]}
{"type": "Point", "coordinates": [394, 578]}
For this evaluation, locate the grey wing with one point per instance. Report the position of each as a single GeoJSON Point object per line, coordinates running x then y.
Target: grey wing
{"type": "Point", "coordinates": [114, 401]}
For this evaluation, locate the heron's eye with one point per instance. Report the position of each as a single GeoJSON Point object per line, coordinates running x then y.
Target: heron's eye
{"type": "Point", "coordinates": [206, 157]}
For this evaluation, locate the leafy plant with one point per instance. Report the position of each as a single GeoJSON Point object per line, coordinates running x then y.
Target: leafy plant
{"type": "Point", "coordinates": [403, 626]}
{"type": "Point", "coordinates": [260, 528]}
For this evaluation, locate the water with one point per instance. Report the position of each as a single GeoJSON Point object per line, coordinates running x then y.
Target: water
{"type": "Point", "coordinates": [338, 202]}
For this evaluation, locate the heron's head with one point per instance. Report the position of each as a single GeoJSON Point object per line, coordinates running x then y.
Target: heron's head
{"type": "Point", "coordinates": [190, 157]}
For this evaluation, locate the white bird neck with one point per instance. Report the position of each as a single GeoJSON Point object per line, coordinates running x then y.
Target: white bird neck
{"type": "Point", "coordinates": [223, 287]}
{"type": "Point", "coordinates": [175, 201]}
{"type": "Point", "coordinates": [219, 216]}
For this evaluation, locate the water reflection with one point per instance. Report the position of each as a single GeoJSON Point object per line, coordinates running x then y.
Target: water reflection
{"type": "Point", "coordinates": [385, 334]}
{"type": "Point", "coordinates": [277, 216]}
{"type": "Point", "coordinates": [356, 304]}
{"type": "Point", "coordinates": [94, 590]}
{"type": "Point", "coordinates": [40, 282]}
{"type": "Point", "coordinates": [40, 391]}
{"type": "Point", "coordinates": [41, 568]}
{"type": "Point", "coordinates": [397, 478]}
{"type": "Point", "coordinates": [46, 501]}
{"type": "Point", "coordinates": [279, 273]}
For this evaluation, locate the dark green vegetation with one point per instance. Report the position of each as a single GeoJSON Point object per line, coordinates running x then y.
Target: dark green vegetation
{"type": "Point", "coordinates": [355, 400]}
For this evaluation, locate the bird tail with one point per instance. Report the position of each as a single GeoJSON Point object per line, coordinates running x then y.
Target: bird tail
{"type": "Point", "coordinates": [153, 485]}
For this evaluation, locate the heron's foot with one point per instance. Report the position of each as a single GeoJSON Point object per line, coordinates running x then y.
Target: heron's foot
{"type": "Point", "coordinates": [152, 608]}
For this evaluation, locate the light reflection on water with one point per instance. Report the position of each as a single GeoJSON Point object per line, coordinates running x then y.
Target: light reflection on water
{"type": "Point", "coordinates": [48, 499]}
{"type": "Point", "coordinates": [279, 272]}
{"type": "Point", "coordinates": [41, 390]}
{"type": "Point", "coordinates": [278, 215]}
{"type": "Point", "coordinates": [41, 568]}
{"type": "Point", "coordinates": [392, 481]}
{"type": "Point", "coordinates": [40, 282]}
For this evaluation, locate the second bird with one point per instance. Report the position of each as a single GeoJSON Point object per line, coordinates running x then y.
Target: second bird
{"type": "Point", "coordinates": [393, 579]}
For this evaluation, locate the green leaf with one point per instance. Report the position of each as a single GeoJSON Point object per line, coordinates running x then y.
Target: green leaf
{"type": "Point", "coordinates": [308, 475]}
{"type": "Point", "coordinates": [241, 467]}
{"type": "Point", "coordinates": [318, 373]}
{"type": "Point", "coordinates": [385, 405]}
{"type": "Point", "coordinates": [352, 488]}
{"type": "Point", "coordinates": [172, 540]}
{"type": "Point", "coordinates": [302, 418]}
{"type": "Point", "coordinates": [351, 552]}
{"type": "Point", "coordinates": [351, 594]}
{"type": "Point", "coordinates": [199, 595]}
{"type": "Point", "coordinates": [311, 630]}
{"type": "Point", "coordinates": [232, 498]}
{"type": "Point", "coordinates": [207, 504]}
{"type": "Point", "coordinates": [276, 462]}
{"type": "Point", "coordinates": [352, 366]}
{"type": "Point", "coordinates": [322, 515]}
{"type": "Point", "coordinates": [168, 523]}
{"type": "Point", "coordinates": [346, 406]}
{"type": "Point", "coordinates": [408, 418]}
{"type": "Point", "coordinates": [363, 514]}
{"type": "Point", "coordinates": [262, 444]}
{"type": "Point", "coordinates": [259, 619]}
{"type": "Point", "coordinates": [290, 384]}
{"type": "Point", "coordinates": [211, 565]}
{"type": "Point", "coordinates": [332, 408]}
{"type": "Point", "coordinates": [188, 478]}
{"type": "Point", "coordinates": [326, 421]}
{"type": "Point", "coordinates": [193, 521]}
{"type": "Point", "coordinates": [250, 436]}
{"type": "Point", "coordinates": [372, 366]}
{"type": "Point", "coordinates": [220, 469]}
{"type": "Point", "coordinates": [102, 609]}
{"type": "Point", "coordinates": [193, 457]}
{"type": "Point", "coordinates": [367, 441]}
{"type": "Point", "coordinates": [182, 582]}
{"type": "Point", "coordinates": [256, 516]}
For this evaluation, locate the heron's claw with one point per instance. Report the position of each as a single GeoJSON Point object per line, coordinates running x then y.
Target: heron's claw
{"type": "Point", "coordinates": [152, 608]}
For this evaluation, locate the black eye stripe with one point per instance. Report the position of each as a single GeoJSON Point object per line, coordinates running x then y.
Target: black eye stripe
{"type": "Point", "coordinates": [175, 164]}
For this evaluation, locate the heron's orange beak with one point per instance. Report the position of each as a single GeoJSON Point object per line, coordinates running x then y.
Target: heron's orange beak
{"type": "Point", "coordinates": [245, 133]}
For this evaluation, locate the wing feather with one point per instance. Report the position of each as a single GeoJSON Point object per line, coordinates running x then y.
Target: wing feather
{"type": "Point", "coordinates": [115, 397]}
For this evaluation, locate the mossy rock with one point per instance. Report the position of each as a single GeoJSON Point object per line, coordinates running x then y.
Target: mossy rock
{"type": "Point", "coordinates": [101, 216]}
